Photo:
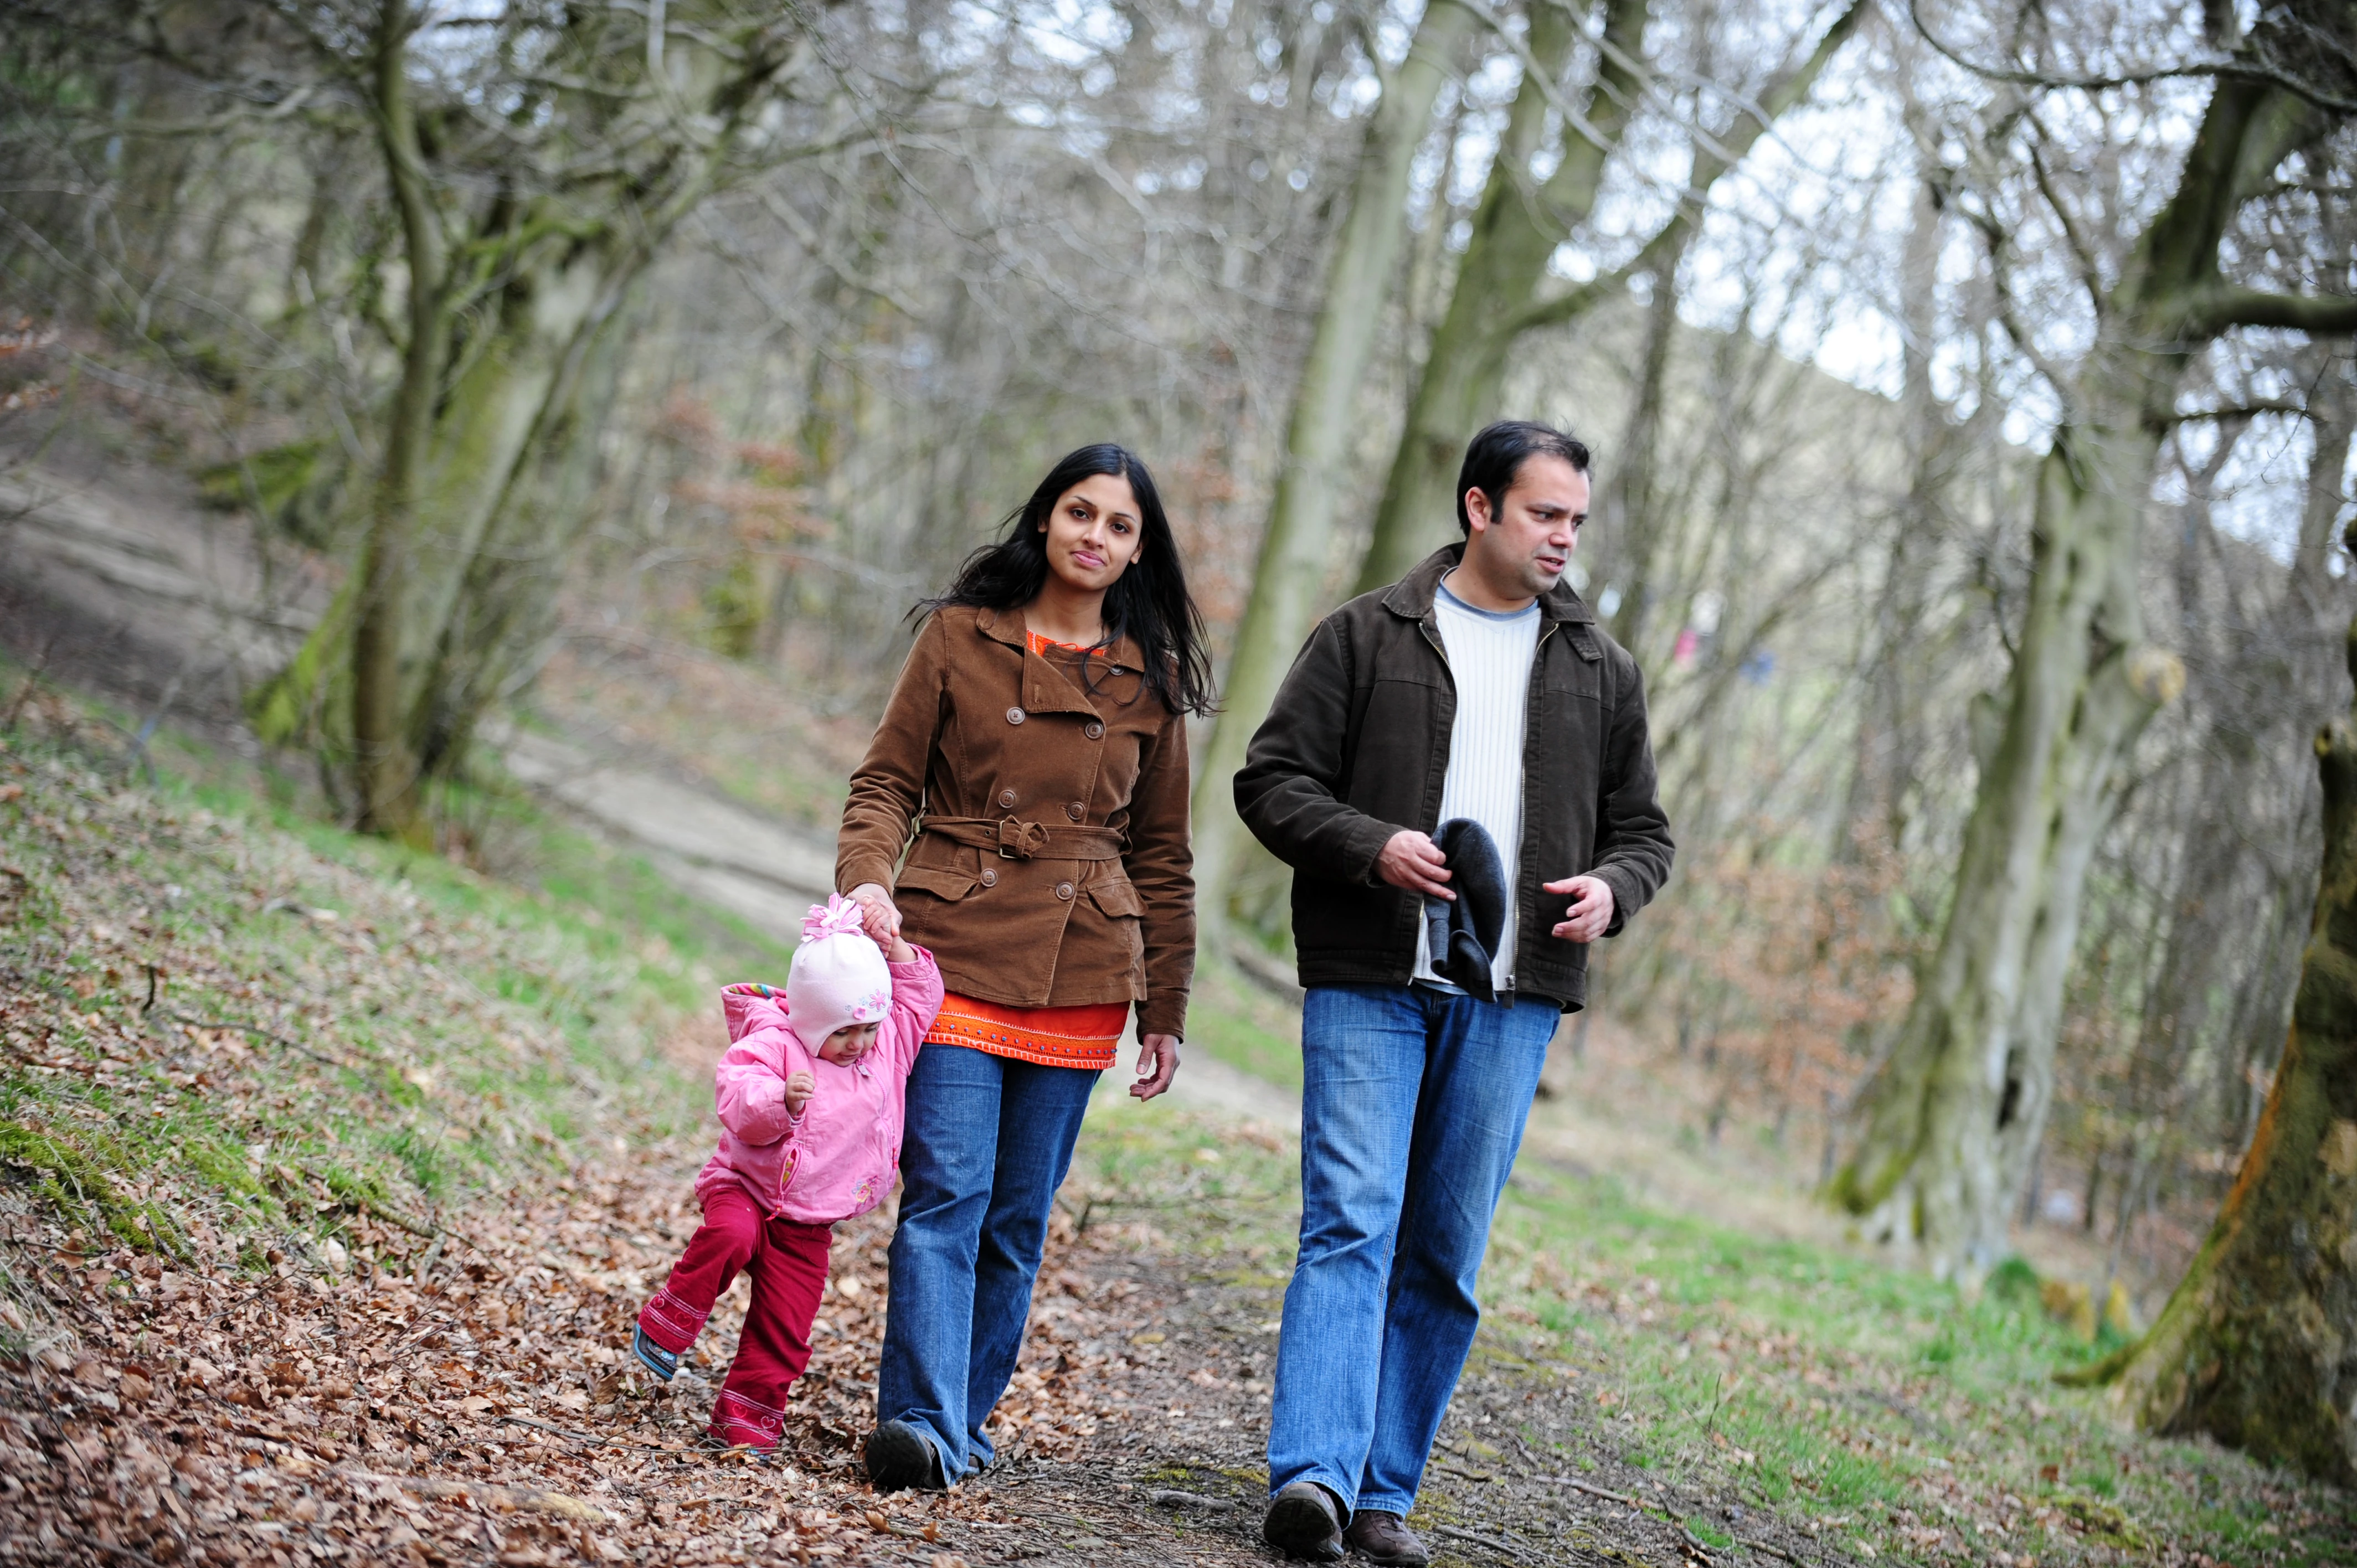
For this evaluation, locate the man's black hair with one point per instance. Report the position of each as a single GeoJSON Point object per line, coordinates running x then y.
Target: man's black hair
{"type": "Point", "coordinates": [1496, 454]}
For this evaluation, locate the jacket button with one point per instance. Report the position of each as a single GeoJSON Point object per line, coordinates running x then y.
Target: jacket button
{"type": "Point", "coordinates": [1063, 889]}
{"type": "Point", "coordinates": [1014, 715]}
{"type": "Point", "coordinates": [1094, 730]}
{"type": "Point", "coordinates": [989, 878]}
{"type": "Point", "coordinates": [1076, 810]}
{"type": "Point", "coordinates": [1007, 796]}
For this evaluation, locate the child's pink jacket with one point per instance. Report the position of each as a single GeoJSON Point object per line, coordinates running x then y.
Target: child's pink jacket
{"type": "Point", "coordinates": [840, 1158]}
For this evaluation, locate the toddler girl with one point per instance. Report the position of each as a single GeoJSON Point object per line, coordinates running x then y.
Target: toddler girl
{"type": "Point", "coordinates": [809, 1098]}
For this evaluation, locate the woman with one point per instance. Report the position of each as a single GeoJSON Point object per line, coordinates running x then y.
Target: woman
{"type": "Point", "coordinates": [1036, 746]}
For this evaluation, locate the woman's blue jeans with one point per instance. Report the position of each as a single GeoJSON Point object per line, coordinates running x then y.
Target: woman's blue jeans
{"type": "Point", "coordinates": [1411, 1110]}
{"type": "Point", "coordinates": [989, 1139]}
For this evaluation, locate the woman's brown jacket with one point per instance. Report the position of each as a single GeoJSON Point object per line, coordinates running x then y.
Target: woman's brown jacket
{"type": "Point", "coordinates": [1051, 865]}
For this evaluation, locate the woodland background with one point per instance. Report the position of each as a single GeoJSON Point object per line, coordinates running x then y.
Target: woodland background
{"type": "Point", "coordinates": [1970, 384]}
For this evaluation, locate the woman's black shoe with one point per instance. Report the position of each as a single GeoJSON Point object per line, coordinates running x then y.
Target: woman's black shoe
{"type": "Point", "coordinates": [900, 1459]}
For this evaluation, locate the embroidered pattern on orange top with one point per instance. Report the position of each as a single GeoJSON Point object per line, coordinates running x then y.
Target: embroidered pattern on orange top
{"type": "Point", "coordinates": [1081, 1037]}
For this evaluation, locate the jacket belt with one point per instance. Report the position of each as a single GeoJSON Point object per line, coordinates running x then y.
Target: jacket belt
{"type": "Point", "coordinates": [1017, 839]}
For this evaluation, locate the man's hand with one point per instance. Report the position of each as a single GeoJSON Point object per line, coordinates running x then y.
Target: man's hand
{"type": "Point", "coordinates": [1158, 1064]}
{"type": "Point", "coordinates": [1412, 861]}
{"type": "Point", "coordinates": [1590, 910]}
{"type": "Point", "coordinates": [877, 913]}
{"type": "Point", "coordinates": [800, 1086]}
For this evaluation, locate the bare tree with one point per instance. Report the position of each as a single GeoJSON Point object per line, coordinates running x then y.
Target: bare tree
{"type": "Point", "coordinates": [1960, 1105]}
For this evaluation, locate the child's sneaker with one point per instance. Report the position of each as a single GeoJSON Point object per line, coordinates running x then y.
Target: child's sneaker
{"type": "Point", "coordinates": [662, 1363]}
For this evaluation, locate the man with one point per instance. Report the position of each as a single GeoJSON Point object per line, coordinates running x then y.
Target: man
{"type": "Point", "coordinates": [1477, 688]}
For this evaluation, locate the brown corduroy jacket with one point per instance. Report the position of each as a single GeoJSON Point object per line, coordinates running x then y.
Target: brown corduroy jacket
{"type": "Point", "coordinates": [1048, 802]}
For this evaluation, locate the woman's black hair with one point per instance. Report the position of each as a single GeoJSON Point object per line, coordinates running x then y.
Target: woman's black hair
{"type": "Point", "coordinates": [1149, 601]}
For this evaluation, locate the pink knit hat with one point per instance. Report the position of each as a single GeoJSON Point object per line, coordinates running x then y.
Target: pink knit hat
{"type": "Point", "coordinates": [839, 975]}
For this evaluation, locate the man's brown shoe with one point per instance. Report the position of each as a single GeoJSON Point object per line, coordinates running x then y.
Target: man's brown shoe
{"type": "Point", "coordinates": [1303, 1521]}
{"type": "Point", "coordinates": [1381, 1537]}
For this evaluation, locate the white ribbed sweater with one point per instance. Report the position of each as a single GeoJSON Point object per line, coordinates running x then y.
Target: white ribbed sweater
{"type": "Point", "coordinates": [1490, 657]}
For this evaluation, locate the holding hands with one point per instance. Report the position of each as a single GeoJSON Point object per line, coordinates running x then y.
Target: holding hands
{"type": "Point", "coordinates": [881, 921]}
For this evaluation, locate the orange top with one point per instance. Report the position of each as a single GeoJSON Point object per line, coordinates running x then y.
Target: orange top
{"type": "Point", "coordinates": [1039, 645]}
{"type": "Point", "coordinates": [1051, 1037]}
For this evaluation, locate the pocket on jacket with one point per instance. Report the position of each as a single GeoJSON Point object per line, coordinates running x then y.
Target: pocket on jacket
{"type": "Point", "coordinates": [947, 885]}
{"type": "Point", "coordinates": [1116, 896]}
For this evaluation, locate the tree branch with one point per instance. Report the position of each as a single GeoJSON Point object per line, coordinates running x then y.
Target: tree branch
{"type": "Point", "coordinates": [2232, 68]}
{"type": "Point", "coordinates": [1711, 161]}
{"type": "Point", "coordinates": [2240, 412]}
{"type": "Point", "coordinates": [2318, 315]}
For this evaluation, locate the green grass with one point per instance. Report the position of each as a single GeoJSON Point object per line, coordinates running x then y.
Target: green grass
{"type": "Point", "coordinates": [1873, 1402]}
{"type": "Point", "coordinates": [338, 1028]}
{"type": "Point", "coordinates": [1236, 1023]}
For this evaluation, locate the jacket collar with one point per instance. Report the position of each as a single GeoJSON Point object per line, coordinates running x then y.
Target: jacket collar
{"type": "Point", "coordinates": [1413, 594]}
{"type": "Point", "coordinates": [1046, 688]}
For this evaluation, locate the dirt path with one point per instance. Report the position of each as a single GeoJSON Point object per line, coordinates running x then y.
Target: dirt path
{"type": "Point", "coordinates": [472, 1403]}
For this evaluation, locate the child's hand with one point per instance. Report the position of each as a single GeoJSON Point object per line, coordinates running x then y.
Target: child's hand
{"type": "Point", "coordinates": [884, 929]}
{"type": "Point", "coordinates": [799, 1088]}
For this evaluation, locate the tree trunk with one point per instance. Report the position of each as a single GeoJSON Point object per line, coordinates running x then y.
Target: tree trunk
{"type": "Point", "coordinates": [539, 282]}
{"type": "Point", "coordinates": [1954, 1115]}
{"type": "Point", "coordinates": [2258, 1346]}
{"type": "Point", "coordinates": [1290, 572]}
{"type": "Point", "coordinates": [387, 771]}
{"type": "Point", "coordinates": [493, 642]}
{"type": "Point", "coordinates": [1517, 230]}
{"type": "Point", "coordinates": [502, 398]}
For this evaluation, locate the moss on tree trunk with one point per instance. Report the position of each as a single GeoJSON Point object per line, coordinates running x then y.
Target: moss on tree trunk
{"type": "Point", "coordinates": [2258, 1346]}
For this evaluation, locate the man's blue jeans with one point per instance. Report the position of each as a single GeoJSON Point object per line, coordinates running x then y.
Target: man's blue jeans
{"type": "Point", "coordinates": [1411, 1110]}
{"type": "Point", "coordinates": [989, 1139]}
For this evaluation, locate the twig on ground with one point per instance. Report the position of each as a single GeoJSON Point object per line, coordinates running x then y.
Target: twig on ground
{"type": "Point", "coordinates": [1610, 1497]}
{"type": "Point", "coordinates": [1794, 1558]}
{"type": "Point", "coordinates": [1463, 1475]}
{"type": "Point", "coordinates": [536, 1498]}
{"type": "Point", "coordinates": [32, 679]}
{"type": "Point", "coordinates": [123, 1551]}
{"type": "Point", "coordinates": [258, 1031]}
{"type": "Point", "coordinates": [579, 1436]}
{"type": "Point", "coordinates": [402, 1221]}
{"type": "Point", "coordinates": [1506, 1550]}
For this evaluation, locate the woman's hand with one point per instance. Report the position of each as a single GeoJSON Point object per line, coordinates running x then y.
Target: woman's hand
{"type": "Point", "coordinates": [800, 1086]}
{"type": "Point", "coordinates": [876, 904]}
{"type": "Point", "coordinates": [1158, 1064]}
{"type": "Point", "coordinates": [882, 924]}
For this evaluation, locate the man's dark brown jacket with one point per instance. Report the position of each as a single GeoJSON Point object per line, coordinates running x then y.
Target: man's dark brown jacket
{"type": "Point", "coordinates": [1356, 748]}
